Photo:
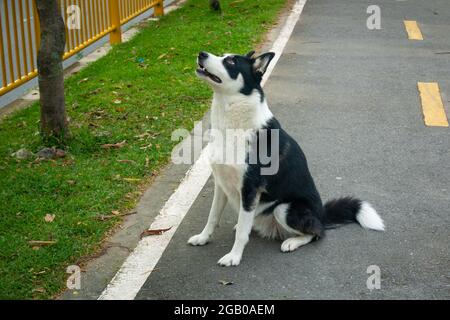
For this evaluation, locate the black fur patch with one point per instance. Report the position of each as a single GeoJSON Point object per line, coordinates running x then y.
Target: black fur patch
{"type": "Point", "coordinates": [292, 182]}
{"type": "Point", "coordinates": [294, 185]}
{"type": "Point", "coordinates": [236, 65]}
{"type": "Point", "coordinates": [343, 210]}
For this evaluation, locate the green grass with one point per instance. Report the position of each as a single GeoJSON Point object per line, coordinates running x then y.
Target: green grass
{"type": "Point", "coordinates": [153, 78]}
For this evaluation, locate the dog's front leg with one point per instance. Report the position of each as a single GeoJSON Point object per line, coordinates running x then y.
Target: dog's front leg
{"type": "Point", "coordinates": [218, 204]}
{"type": "Point", "coordinates": [243, 229]}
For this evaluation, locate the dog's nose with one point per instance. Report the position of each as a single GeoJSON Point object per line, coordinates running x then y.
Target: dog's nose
{"type": "Point", "coordinates": [202, 55]}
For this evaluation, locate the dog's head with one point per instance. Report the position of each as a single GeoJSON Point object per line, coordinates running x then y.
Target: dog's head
{"type": "Point", "coordinates": [233, 73]}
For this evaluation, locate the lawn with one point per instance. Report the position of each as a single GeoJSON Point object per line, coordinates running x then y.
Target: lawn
{"type": "Point", "coordinates": [139, 93]}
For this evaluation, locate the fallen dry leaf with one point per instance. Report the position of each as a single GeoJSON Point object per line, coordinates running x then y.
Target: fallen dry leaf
{"type": "Point", "coordinates": [115, 212]}
{"type": "Point", "coordinates": [83, 80]}
{"type": "Point", "coordinates": [126, 161]}
{"type": "Point", "coordinates": [225, 283]}
{"type": "Point", "coordinates": [132, 179]}
{"type": "Point", "coordinates": [90, 93]}
{"type": "Point", "coordinates": [162, 56]}
{"type": "Point", "coordinates": [114, 145]}
{"type": "Point", "coordinates": [49, 217]}
{"type": "Point", "coordinates": [143, 135]}
{"type": "Point", "coordinates": [154, 232]}
{"type": "Point", "coordinates": [41, 242]}
{"type": "Point", "coordinates": [114, 215]}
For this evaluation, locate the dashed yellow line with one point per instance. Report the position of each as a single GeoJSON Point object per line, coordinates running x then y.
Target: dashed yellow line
{"type": "Point", "coordinates": [413, 30]}
{"type": "Point", "coordinates": [432, 106]}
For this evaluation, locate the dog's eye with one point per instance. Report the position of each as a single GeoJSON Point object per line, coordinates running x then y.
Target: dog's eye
{"type": "Point", "coordinates": [230, 61]}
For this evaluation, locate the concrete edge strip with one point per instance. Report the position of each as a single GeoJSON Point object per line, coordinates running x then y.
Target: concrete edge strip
{"type": "Point", "coordinates": [139, 265]}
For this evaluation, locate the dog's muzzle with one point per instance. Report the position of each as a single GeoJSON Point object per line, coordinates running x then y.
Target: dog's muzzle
{"type": "Point", "coordinates": [201, 70]}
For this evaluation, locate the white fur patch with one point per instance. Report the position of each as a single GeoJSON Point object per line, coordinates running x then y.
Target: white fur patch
{"type": "Point", "coordinates": [267, 226]}
{"type": "Point", "coordinates": [368, 218]}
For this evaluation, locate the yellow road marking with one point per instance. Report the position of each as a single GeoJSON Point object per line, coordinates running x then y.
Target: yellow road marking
{"type": "Point", "coordinates": [412, 28]}
{"type": "Point", "coordinates": [432, 106]}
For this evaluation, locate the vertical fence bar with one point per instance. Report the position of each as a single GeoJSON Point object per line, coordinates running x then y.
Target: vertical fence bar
{"type": "Point", "coordinates": [131, 5]}
{"type": "Point", "coordinates": [98, 16]}
{"type": "Point", "coordinates": [159, 8]}
{"type": "Point", "coordinates": [8, 43]}
{"type": "Point", "coordinates": [116, 34]}
{"type": "Point", "coordinates": [108, 18]}
{"type": "Point", "coordinates": [73, 32]}
{"type": "Point", "coordinates": [124, 11]}
{"type": "Point", "coordinates": [127, 7]}
{"type": "Point", "coordinates": [76, 32]}
{"type": "Point", "coordinates": [83, 24]}
{"type": "Point", "coordinates": [16, 39]}
{"type": "Point", "coordinates": [101, 16]}
{"type": "Point", "coordinates": [102, 6]}
{"type": "Point", "coordinates": [37, 27]}
{"type": "Point", "coordinates": [2, 59]}
{"type": "Point", "coordinates": [124, 7]}
{"type": "Point", "coordinates": [91, 19]}
{"type": "Point", "coordinates": [64, 14]}
{"type": "Point", "coordinates": [30, 37]}
{"type": "Point", "coordinates": [22, 35]}
{"type": "Point", "coordinates": [92, 15]}
{"type": "Point", "coordinates": [79, 31]}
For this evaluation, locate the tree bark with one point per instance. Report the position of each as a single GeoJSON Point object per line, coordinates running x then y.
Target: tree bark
{"type": "Point", "coordinates": [50, 70]}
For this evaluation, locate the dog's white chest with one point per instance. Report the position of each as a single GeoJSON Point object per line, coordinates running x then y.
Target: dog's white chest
{"type": "Point", "coordinates": [234, 120]}
{"type": "Point", "coordinates": [227, 154]}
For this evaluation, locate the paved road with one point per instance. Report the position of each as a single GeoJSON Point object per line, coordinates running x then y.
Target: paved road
{"type": "Point", "coordinates": [349, 96]}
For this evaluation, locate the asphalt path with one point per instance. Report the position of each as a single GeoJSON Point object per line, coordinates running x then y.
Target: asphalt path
{"type": "Point", "coordinates": [349, 96]}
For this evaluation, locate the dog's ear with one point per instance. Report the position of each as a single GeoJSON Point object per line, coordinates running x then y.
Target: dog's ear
{"type": "Point", "coordinates": [262, 62]}
{"type": "Point", "coordinates": [250, 54]}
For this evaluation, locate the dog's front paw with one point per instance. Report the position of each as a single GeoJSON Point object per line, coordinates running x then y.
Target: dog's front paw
{"type": "Point", "coordinates": [198, 240]}
{"type": "Point", "coordinates": [230, 259]}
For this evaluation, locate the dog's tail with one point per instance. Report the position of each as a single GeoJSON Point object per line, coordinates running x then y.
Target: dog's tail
{"type": "Point", "coordinates": [348, 210]}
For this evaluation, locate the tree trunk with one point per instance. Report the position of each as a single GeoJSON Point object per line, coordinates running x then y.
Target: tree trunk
{"type": "Point", "coordinates": [50, 70]}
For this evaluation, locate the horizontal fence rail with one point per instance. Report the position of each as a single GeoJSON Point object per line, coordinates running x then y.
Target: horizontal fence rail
{"type": "Point", "coordinates": [86, 22]}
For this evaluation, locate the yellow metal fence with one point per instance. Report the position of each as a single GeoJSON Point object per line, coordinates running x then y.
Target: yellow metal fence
{"type": "Point", "coordinates": [86, 22]}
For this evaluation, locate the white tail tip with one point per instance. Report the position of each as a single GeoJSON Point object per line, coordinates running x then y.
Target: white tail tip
{"type": "Point", "coordinates": [368, 218]}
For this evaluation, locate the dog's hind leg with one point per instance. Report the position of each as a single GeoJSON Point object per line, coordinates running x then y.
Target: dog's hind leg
{"type": "Point", "coordinates": [297, 220]}
{"type": "Point", "coordinates": [218, 204]}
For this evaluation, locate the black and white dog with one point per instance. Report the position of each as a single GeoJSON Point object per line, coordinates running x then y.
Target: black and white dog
{"type": "Point", "coordinates": [284, 204]}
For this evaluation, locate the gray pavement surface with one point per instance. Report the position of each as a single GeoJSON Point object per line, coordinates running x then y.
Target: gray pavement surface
{"type": "Point", "coordinates": [349, 96]}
